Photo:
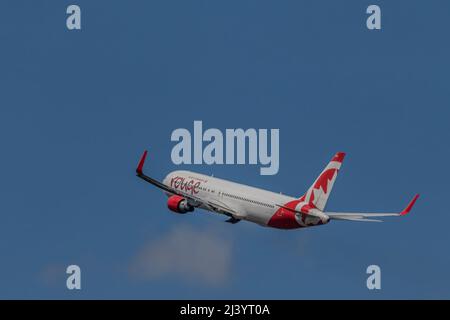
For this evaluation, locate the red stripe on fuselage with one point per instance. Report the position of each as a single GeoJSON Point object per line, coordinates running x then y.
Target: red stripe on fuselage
{"type": "Point", "coordinates": [285, 219]}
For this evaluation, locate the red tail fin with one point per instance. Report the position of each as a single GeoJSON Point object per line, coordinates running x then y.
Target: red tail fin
{"type": "Point", "coordinates": [320, 190]}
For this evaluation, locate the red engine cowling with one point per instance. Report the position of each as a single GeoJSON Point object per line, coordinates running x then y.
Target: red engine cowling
{"type": "Point", "coordinates": [179, 204]}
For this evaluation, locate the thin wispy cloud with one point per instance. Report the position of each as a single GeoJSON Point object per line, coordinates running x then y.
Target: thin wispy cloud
{"type": "Point", "coordinates": [53, 275]}
{"type": "Point", "coordinates": [192, 255]}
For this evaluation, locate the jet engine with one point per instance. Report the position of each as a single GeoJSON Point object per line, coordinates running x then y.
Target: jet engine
{"type": "Point", "coordinates": [179, 205]}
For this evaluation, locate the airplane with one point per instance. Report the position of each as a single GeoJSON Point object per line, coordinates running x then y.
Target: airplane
{"type": "Point", "coordinates": [187, 191]}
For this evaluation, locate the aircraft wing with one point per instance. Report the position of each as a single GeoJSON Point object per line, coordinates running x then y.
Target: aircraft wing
{"type": "Point", "coordinates": [234, 215]}
{"type": "Point", "coordinates": [155, 182]}
{"type": "Point", "coordinates": [362, 216]}
{"type": "Point", "coordinates": [193, 200]}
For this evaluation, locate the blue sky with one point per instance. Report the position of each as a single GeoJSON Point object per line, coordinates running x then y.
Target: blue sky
{"type": "Point", "coordinates": [77, 108]}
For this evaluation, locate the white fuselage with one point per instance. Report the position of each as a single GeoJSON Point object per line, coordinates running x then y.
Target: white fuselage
{"type": "Point", "coordinates": [253, 204]}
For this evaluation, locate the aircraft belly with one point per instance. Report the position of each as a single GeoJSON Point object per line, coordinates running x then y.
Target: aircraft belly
{"type": "Point", "coordinates": [258, 215]}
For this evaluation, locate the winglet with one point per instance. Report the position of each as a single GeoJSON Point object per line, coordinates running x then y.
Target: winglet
{"type": "Point", "coordinates": [409, 206]}
{"type": "Point", "coordinates": [141, 163]}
